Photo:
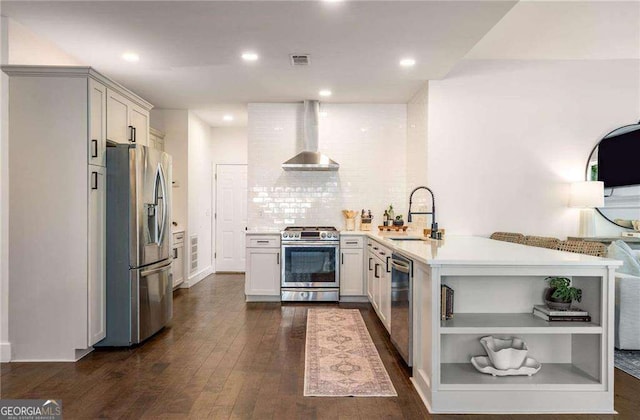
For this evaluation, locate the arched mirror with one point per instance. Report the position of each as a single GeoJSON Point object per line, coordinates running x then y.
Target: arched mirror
{"type": "Point", "coordinates": [615, 160]}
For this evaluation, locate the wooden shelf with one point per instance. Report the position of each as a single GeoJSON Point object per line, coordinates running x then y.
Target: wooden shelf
{"type": "Point", "coordinates": [513, 323]}
{"type": "Point", "coordinates": [552, 376]}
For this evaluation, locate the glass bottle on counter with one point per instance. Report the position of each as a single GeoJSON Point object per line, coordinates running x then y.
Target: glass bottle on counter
{"type": "Point", "coordinates": [385, 219]}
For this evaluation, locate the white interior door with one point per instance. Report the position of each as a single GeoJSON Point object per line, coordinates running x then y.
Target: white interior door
{"type": "Point", "coordinates": [231, 217]}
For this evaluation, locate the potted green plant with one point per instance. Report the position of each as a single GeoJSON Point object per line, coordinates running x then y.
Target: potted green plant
{"type": "Point", "coordinates": [560, 293]}
{"type": "Point", "coordinates": [398, 221]}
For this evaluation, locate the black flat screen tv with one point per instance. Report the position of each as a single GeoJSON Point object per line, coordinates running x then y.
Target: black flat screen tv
{"type": "Point", "coordinates": [619, 160]}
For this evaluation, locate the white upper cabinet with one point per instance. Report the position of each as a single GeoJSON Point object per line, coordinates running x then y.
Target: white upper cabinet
{"type": "Point", "coordinates": [139, 120]}
{"type": "Point", "coordinates": [156, 139]}
{"type": "Point", "coordinates": [97, 123]}
{"type": "Point", "coordinates": [118, 129]}
{"type": "Point", "coordinates": [127, 122]}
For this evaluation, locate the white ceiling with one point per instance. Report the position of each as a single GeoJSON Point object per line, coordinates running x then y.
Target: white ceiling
{"type": "Point", "coordinates": [214, 115]}
{"type": "Point", "coordinates": [564, 30]}
{"type": "Point", "coordinates": [190, 51]}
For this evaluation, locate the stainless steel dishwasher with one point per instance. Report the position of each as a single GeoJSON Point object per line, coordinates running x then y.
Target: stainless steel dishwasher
{"type": "Point", "coordinates": [402, 306]}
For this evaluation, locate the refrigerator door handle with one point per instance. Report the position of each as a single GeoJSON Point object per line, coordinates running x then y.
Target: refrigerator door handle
{"type": "Point", "coordinates": [160, 194]}
{"type": "Point", "coordinates": [155, 270]}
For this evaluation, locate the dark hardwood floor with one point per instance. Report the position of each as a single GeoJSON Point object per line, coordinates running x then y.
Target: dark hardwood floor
{"type": "Point", "coordinates": [222, 358]}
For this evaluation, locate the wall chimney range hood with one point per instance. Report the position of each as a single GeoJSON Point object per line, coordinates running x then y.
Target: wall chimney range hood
{"type": "Point", "coordinates": [310, 159]}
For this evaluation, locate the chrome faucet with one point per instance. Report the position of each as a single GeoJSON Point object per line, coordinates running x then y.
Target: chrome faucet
{"type": "Point", "coordinates": [434, 225]}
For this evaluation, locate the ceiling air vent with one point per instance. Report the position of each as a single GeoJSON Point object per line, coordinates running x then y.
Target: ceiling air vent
{"type": "Point", "coordinates": [300, 59]}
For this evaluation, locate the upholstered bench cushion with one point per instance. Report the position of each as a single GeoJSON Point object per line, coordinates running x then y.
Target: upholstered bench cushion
{"type": "Point", "coordinates": [618, 250]}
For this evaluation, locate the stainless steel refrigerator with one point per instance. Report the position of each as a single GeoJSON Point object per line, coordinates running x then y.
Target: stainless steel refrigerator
{"type": "Point", "coordinates": [139, 287]}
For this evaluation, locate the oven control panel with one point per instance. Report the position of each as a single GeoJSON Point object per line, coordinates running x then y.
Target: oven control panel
{"type": "Point", "coordinates": [311, 235]}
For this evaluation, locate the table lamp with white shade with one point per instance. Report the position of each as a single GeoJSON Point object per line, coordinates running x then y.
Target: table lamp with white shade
{"type": "Point", "coordinates": [587, 195]}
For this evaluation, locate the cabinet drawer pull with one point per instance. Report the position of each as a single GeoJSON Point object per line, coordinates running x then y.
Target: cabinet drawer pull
{"type": "Point", "coordinates": [342, 258]}
{"type": "Point", "coordinates": [387, 268]}
{"type": "Point", "coordinates": [94, 180]}
{"type": "Point", "coordinates": [351, 242]}
{"type": "Point", "coordinates": [370, 259]}
{"type": "Point", "coordinates": [94, 148]}
{"type": "Point", "coordinates": [132, 139]}
{"type": "Point", "coordinates": [382, 253]}
{"type": "Point", "coordinates": [375, 273]}
{"type": "Point", "coordinates": [375, 247]}
{"type": "Point", "coordinates": [369, 245]}
{"type": "Point", "coordinates": [178, 237]}
{"type": "Point", "coordinates": [135, 134]}
{"type": "Point", "coordinates": [278, 258]}
{"type": "Point", "coordinates": [175, 253]}
{"type": "Point", "coordinates": [263, 242]}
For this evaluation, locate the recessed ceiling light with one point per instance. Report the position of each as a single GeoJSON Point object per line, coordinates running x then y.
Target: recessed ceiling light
{"type": "Point", "coordinates": [364, 129]}
{"type": "Point", "coordinates": [324, 92]}
{"type": "Point", "coordinates": [407, 62]}
{"type": "Point", "coordinates": [228, 117]}
{"type": "Point", "coordinates": [131, 57]}
{"type": "Point", "coordinates": [249, 56]}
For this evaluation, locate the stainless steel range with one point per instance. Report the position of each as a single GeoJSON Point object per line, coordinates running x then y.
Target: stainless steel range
{"type": "Point", "coordinates": [310, 264]}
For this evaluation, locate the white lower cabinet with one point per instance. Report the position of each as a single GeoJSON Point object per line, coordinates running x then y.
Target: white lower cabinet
{"type": "Point", "coordinates": [177, 266]}
{"type": "Point", "coordinates": [379, 280]}
{"type": "Point", "coordinates": [97, 286]}
{"type": "Point", "coordinates": [351, 274]}
{"type": "Point", "coordinates": [262, 277]}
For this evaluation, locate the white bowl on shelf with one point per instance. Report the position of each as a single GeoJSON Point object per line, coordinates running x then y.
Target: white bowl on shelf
{"type": "Point", "coordinates": [482, 363]}
{"type": "Point", "coordinates": [505, 353]}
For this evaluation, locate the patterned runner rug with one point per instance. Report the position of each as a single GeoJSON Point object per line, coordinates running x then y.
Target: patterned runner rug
{"type": "Point", "coordinates": [628, 361]}
{"type": "Point", "coordinates": [340, 358]}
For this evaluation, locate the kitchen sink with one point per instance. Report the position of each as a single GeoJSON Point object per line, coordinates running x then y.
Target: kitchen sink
{"type": "Point", "coordinates": [408, 239]}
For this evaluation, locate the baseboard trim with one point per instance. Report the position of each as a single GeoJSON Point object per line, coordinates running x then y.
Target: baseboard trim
{"type": "Point", "coordinates": [360, 299]}
{"type": "Point", "coordinates": [262, 298]}
{"type": "Point", "coordinates": [197, 277]}
{"type": "Point", "coordinates": [5, 352]}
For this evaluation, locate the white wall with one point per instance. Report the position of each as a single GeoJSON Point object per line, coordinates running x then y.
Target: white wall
{"type": "Point", "coordinates": [18, 45]}
{"type": "Point", "coordinates": [506, 138]}
{"type": "Point", "coordinates": [369, 143]}
{"type": "Point", "coordinates": [174, 123]}
{"type": "Point", "coordinates": [417, 120]}
{"type": "Point", "coordinates": [5, 346]}
{"type": "Point", "coordinates": [229, 145]}
{"type": "Point", "coordinates": [188, 140]}
{"type": "Point", "coordinates": [27, 47]}
{"type": "Point", "coordinates": [200, 200]}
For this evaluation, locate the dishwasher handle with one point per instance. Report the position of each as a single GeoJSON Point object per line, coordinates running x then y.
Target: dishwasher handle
{"type": "Point", "coordinates": [401, 266]}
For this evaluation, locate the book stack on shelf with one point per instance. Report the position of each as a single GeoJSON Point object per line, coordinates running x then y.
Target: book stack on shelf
{"type": "Point", "coordinates": [554, 315]}
{"type": "Point", "coordinates": [446, 302]}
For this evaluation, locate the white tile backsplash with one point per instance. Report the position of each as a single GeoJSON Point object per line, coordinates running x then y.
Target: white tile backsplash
{"type": "Point", "coordinates": [367, 140]}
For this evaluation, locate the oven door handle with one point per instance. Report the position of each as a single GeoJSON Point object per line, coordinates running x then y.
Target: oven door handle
{"type": "Point", "coordinates": [309, 245]}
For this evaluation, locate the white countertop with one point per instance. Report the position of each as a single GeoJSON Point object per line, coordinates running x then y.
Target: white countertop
{"type": "Point", "coordinates": [475, 250]}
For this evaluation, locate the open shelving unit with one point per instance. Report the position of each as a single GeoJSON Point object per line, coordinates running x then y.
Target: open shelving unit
{"type": "Point", "coordinates": [576, 357]}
